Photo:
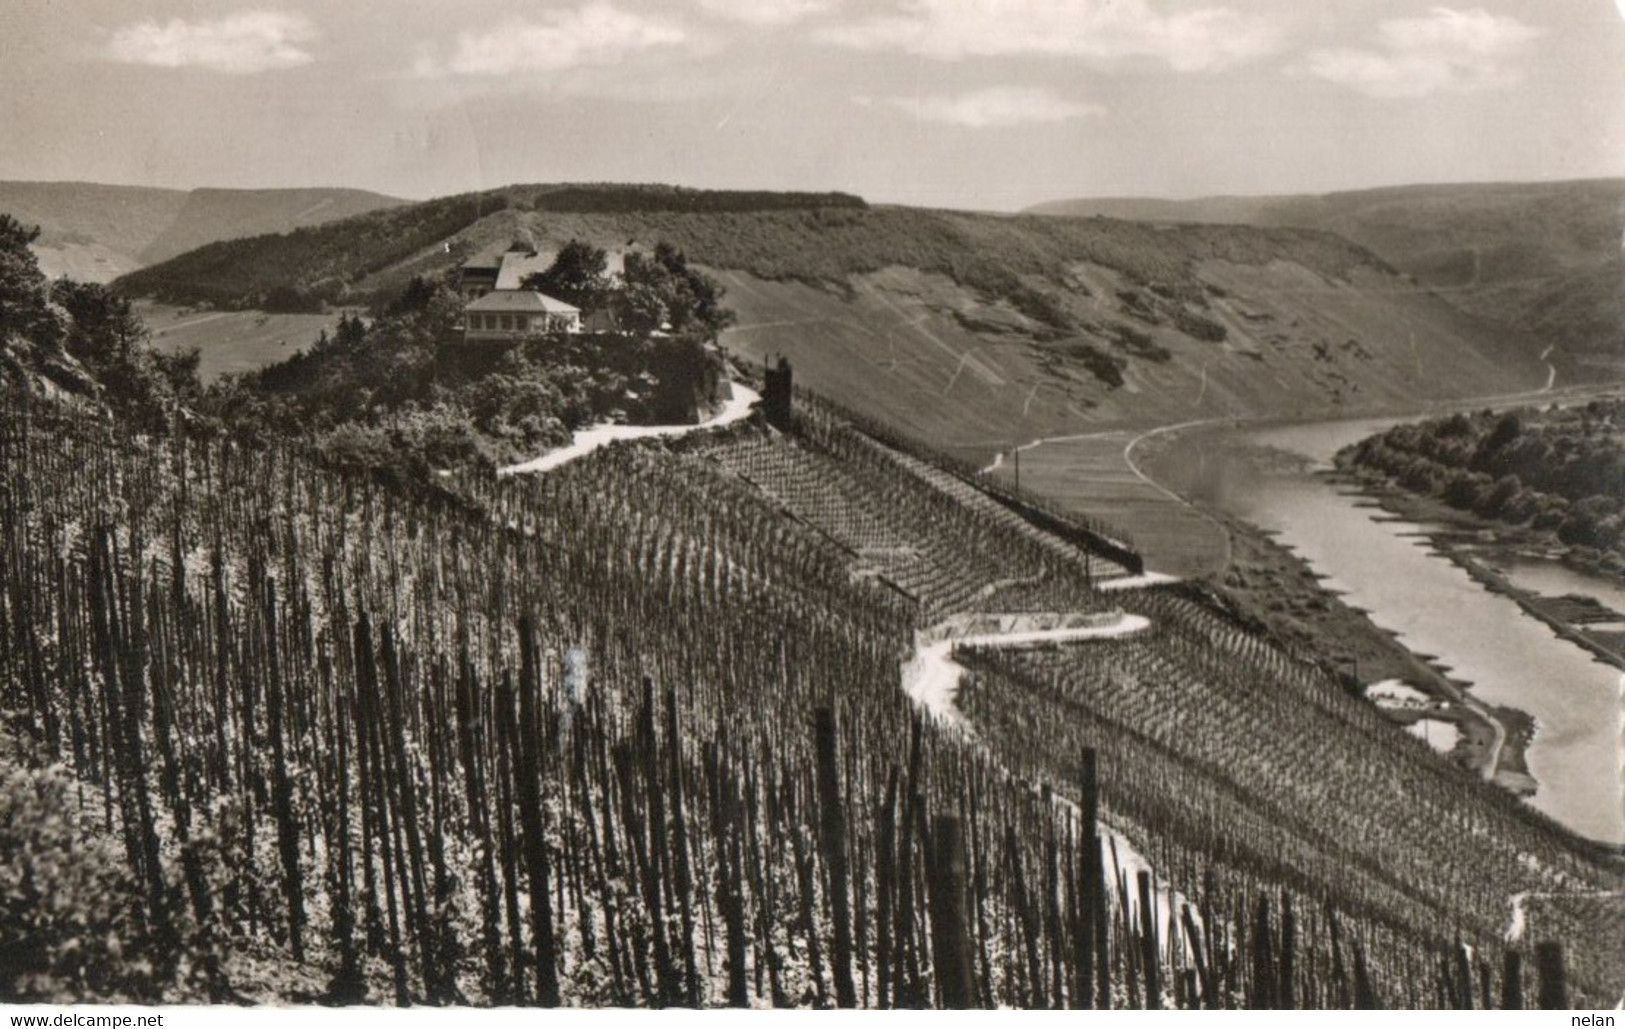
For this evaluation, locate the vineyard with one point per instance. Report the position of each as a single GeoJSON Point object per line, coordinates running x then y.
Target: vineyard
{"type": "Point", "coordinates": [937, 540]}
{"type": "Point", "coordinates": [630, 733]}
{"type": "Point", "coordinates": [1232, 755]}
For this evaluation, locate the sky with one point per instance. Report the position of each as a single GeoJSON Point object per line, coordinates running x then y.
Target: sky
{"type": "Point", "coordinates": [979, 104]}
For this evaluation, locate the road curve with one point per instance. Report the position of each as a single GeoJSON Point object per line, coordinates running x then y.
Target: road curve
{"type": "Point", "coordinates": [587, 440]}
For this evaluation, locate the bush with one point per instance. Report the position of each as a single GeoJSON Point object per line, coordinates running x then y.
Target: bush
{"type": "Point", "coordinates": [1108, 368]}
{"type": "Point", "coordinates": [1140, 306]}
{"type": "Point", "coordinates": [1199, 326]}
{"type": "Point", "coordinates": [70, 918]}
{"type": "Point", "coordinates": [1140, 344]}
{"type": "Point", "coordinates": [1040, 307]}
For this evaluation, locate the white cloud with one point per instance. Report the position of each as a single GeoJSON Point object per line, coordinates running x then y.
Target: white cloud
{"type": "Point", "coordinates": [1105, 31]}
{"type": "Point", "coordinates": [997, 107]}
{"type": "Point", "coordinates": [1444, 50]}
{"type": "Point", "coordinates": [766, 12]}
{"type": "Point", "coordinates": [594, 34]}
{"type": "Point", "coordinates": [239, 44]}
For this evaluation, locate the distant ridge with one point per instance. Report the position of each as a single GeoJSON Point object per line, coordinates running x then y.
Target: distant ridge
{"type": "Point", "coordinates": [95, 232]}
{"type": "Point", "coordinates": [965, 331]}
{"type": "Point", "coordinates": [210, 215]}
{"type": "Point", "coordinates": [1542, 257]}
{"type": "Point", "coordinates": [619, 198]}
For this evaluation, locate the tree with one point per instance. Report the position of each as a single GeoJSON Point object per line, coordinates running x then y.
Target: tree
{"type": "Point", "coordinates": [1506, 430]}
{"type": "Point", "coordinates": [23, 307]}
{"type": "Point", "coordinates": [1592, 522]}
{"type": "Point", "coordinates": [1496, 501]}
{"type": "Point", "coordinates": [578, 275]}
{"type": "Point", "coordinates": [416, 297]}
{"type": "Point", "coordinates": [1456, 425]}
{"type": "Point", "coordinates": [692, 299]}
{"type": "Point", "coordinates": [105, 326]}
{"type": "Point", "coordinates": [350, 333]}
{"type": "Point", "coordinates": [638, 309]}
{"type": "Point", "coordinates": [106, 336]}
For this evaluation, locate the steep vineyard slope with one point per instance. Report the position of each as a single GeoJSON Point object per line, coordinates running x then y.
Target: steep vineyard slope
{"type": "Point", "coordinates": [632, 733]}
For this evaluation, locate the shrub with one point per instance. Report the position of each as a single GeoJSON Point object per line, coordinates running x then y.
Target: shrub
{"type": "Point", "coordinates": [1140, 344]}
{"type": "Point", "coordinates": [1040, 307]}
{"type": "Point", "coordinates": [1140, 306]}
{"type": "Point", "coordinates": [70, 918]}
{"type": "Point", "coordinates": [1108, 368]}
{"type": "Point", "coordinates": [1199, 326]}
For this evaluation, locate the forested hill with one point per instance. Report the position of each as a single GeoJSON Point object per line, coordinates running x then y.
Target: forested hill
{"type": "Point", "coordinates": [1560, 471]}
{"type": "Point", "coordinates": [815, 238]}
{"type": "Point", "coordinates": [1544, 257]}
{"type": "Point", "coordinates": [965, 330]}
{"type": "Point", "coordinates": [375, 253]}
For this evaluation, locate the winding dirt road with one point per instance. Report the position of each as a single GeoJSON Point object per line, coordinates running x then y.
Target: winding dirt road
{"type": "Point", "coordinates": [931, 678]}
{"type": "Point", "coordinates": [586, 441]}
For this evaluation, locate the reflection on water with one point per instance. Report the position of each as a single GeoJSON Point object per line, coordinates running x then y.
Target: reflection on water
{"type": "Point", "coordinates": [1385, 567]}
{"type": "Point", "coordinates": [1551, 579]}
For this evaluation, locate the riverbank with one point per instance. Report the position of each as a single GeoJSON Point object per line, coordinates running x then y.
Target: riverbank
{"type": "Point", "coordinates": [1273, 589]}
{"type": "Point", "coordinates": [1276, 590]}
{"type": "Point", "coordinates": [1477, 545]}
{"type": "Point", "coordinates": [1340, 584]}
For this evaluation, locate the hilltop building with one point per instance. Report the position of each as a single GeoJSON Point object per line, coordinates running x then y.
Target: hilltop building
{"type": "Point", "coordinates": [498, 308]}
{"type": "Point", "coordinates": [507, 270]}
{"type": "Point", "coordinates": [508, 314]}
{"type": "Point", "coordinates": [677, 381]}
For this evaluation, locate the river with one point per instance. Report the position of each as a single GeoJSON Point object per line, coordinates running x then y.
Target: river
{"type": "Point", "coordinates": [1390, 569]}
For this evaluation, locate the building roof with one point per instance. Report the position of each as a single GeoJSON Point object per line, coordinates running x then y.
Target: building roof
{"type": "Point", "coordinates": [521, 301]}
{"type": "Point", "coordinates": [517, 265]}
{"type": "Point", "coordinates": [511, 265]}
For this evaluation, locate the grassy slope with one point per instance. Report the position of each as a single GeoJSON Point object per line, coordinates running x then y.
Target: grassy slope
{"type": "Point", "coordinates": [1544, 257]}
{"type": "Point", "coordinates": [896, 352]}
{"type": "Point", "coordinates": [232, 341]}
